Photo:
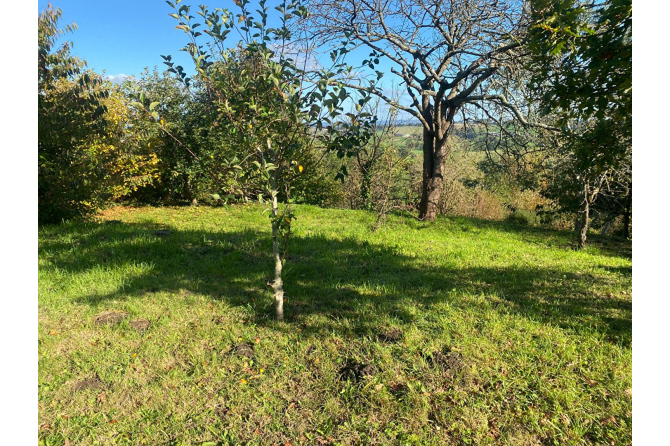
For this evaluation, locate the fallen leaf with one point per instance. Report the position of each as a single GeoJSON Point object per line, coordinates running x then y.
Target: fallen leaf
{"type": "Point", "coordinates": [608, 420]}
{"type": "Point", "coordinates": [565, 419]}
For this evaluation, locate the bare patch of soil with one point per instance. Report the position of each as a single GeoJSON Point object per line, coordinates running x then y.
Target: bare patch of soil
{"type": "Point", "coordinates": [88, 384]}
{"type": "Point", "coordinates": [398, 389]}
{"type": "Point", "coordinates": [110, 318]}
{"type": "Point", "coordinates": [140, 324]}
{"type": "Point", "coordinates": [390, 336]}
{"type": "Point", "coordinates": [356, 371]}
{"type": "Point", "coordinates": [244, 349]}
{"type": "Point", "coordinates": [447, 360]}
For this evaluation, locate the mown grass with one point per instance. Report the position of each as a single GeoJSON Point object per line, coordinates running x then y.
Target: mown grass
{"type": "Point", "coordinates": [454, 332]}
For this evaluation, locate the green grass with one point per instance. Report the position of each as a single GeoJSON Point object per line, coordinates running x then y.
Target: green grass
{"type": "Point", "coordinates": [537, 336]}
{"type": "Point", "coordinates": [418, 129]}
{"type": "Point", "coordinates": [409, 130]}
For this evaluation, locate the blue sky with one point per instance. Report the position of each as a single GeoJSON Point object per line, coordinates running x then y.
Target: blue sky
{"type": "Point", "coordinates": [121, 36]}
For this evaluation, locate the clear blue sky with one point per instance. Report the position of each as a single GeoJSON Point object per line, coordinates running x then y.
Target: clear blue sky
{"type": "Point", "coordinates": [122, 36]}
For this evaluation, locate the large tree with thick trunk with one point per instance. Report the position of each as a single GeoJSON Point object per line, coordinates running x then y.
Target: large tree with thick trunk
{"type": "Point", "coordinates": [450, 55]}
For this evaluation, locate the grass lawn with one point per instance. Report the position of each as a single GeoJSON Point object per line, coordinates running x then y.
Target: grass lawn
{"type": "Point", "coordinates": [156, 327]}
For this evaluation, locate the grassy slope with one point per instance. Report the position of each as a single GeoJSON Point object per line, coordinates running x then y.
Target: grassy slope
{"type": "Point", "coordinates": [539, 335]}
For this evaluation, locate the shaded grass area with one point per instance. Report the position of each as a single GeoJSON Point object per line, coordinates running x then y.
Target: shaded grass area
{"type": "Point", "coordinates": [457, 332]}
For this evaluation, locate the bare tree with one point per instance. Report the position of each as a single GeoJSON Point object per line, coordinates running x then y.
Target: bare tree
{"type": "Point", "coordinates": [449, 54]}
{"type": "Point", "coordinates": [368, 156]}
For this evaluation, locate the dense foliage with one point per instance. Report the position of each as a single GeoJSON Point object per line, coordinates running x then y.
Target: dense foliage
{"type": "Point", "coordinates": [89, 149]}
{"type": "Point", "coordinates": [70, 110]}
{"type": "Point", "coordinates": [169, 137]}
{"type": "Point", "coordinates": [582, 69]}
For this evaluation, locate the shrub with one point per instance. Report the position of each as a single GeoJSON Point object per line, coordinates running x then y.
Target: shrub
{"type": "Point", "coordinates": [90, 148]}
{"type": "Point", "coordinates": [317, 184]}
{"type": "Point", "coordinates": [523, 217]}
{"type": "Point", "coordinates": [69, 110]}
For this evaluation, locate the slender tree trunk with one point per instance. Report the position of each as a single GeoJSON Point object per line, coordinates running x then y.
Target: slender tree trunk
{"type": "Point", "coordinates": [366, 184]}
{"type": "Point", "coordinates": [627, 212]}
{"type": "Point", "coordinates": [606, 229]}
{"type": "Point", "coordinates": [584, 225]}
{"type": "Point", "coordinates": [278, 283]}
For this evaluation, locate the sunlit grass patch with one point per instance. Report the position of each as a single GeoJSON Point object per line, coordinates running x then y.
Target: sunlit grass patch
{"type": "Point", "coordinates": [461, 331]}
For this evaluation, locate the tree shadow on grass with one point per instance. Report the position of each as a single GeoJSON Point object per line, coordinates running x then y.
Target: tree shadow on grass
{"type": "Point", "coordinates": [336, 279]}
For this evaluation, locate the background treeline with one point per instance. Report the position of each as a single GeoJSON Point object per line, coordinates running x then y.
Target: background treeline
{"type": "Point", "coordinates": [154, 140]}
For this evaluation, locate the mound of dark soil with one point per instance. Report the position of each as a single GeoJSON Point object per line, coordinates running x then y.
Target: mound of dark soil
{"type": "Point", "coordinates": [446, 360]}
{"type": "Point", "coordinates": [110, 318]}
{"type": "Point", "coordinates": [390, 336]}
{"type": "Point", "coordinates": [140, 324]}
{"type": "Point", "coordinates": [356, 371]}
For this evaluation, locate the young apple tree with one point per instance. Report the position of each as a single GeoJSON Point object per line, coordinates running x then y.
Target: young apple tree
{"type": "Point", "coordinates": [270, 106]}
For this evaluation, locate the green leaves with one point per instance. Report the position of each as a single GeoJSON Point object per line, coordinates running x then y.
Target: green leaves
{"type": "Point", "coordinates": [264, 103]}
{"type": "Point", "coordinates": [341, 175]}
{"type": "Point", "coordinates": [72, 110]}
